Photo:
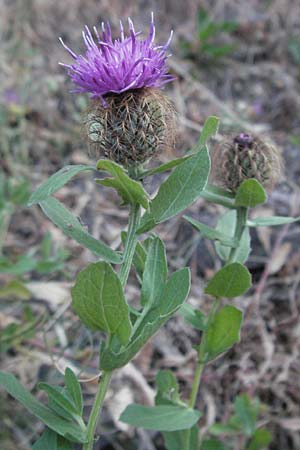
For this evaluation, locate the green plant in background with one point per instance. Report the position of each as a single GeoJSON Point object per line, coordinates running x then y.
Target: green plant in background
{"type": "Point", "coordinates": [208, 34]}
{"type": "Point", "coordinates": [129, 129]}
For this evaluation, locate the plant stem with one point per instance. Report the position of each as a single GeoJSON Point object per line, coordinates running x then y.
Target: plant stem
{"type": "Point", "coordinates": [241, 222]}
{"type": "Point", "coordinates": [199, 369]}
{"type": "Point", "coordinates": [92, 423]}
{"type": "Point", "coordinates": [131, 240]}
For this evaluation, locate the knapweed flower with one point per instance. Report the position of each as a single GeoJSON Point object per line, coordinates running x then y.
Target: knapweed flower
{"type": "Point", "coordinates": [129, 118]}
{"type": "Point", "coordinates": [245, 156]}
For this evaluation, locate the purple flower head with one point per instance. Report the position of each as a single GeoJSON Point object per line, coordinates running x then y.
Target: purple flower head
{"type": "Point", "coordinates": [118, 65]}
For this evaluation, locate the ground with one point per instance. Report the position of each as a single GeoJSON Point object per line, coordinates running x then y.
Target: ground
{"type": "Point", "coordinates": [253, 88]}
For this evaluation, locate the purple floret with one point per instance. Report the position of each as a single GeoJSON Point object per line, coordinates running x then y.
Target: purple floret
{"type": "Point", "coordinates": [118, 65]}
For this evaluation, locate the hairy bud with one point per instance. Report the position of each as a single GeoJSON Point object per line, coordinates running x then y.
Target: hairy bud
{"type": "Point", "coordinates": [243, 157]}
{"type": "Point", "coordinates": [131, 127]}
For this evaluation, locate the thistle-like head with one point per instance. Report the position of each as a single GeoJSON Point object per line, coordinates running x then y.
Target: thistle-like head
{"type": "Point", "coordinates": [246, 156]}
{"type": "Point", "coordinates": [129, 119]}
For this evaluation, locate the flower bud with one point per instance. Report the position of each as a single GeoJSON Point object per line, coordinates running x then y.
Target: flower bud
{"type": "Point", "coordinates": [245, 156]}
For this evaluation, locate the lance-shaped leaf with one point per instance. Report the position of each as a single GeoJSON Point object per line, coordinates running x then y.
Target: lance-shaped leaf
{"type": "Point", "coordinates": [226, 224]}
{"type": "Point", "coordinates": [164, 167]}
{"type": "Point", "coordinates": [210, 129]}
{"type": "Point", "coordinates": [65, 428]}
{"type": "Point", "coordinates": [223, 332]}
{"type": "Point", "coordinates": [167, 388]}
{"type": "Point", "coordinates": [55, 182]}
{"type": "Point", "coordinates": [211, 233]}
{"type": "Point", "coordinates": [260, 440]}
{"type": "Point", "coordinates": [271, 221]}
{"type": "Point", "coordinates": [173, 296]}
{"type": "Point", "coordinates": [58, 398]}
{"type": "Point", "coordinates": [161, 418]}
{"type": "Point", "coordinates": [180, 190]}
{"type": "Point", "coordinates": [99, 301]}
{"type": "Point", "coordinates": [250, 193]}
{"type": "Point", "coordinates": [74, 389]}
{"type": "Point", "coordinates": [193, 316]}
{"type": "Point", "coordinates": [231, 281]}
{"type": "Point", "coordinates": [71, 226]}
{"type": "Point", "coordinates": [155, 272]}
{"type": "Point", "coordinates": [131, 191]}
{"type": "Point", "coordinates": [50, 440]}
{"type": "Point", "coordinates": [213, 444]}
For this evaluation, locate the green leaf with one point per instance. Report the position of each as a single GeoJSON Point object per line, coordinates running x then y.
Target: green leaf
{"type": "Point", "coordinates": [99, 301]}
{"type": "Point", "coordinates": [180, 190]}
{"type": "Point", "coordinates": [213, 444]}
{"type": "Point", "coordinates": [246, 414]}
{"type": "Point", "coordinates": [167, 388]}
{"type": "Point", "coordinates": [15, 289]}
{"type": "Point", "coordinates": [149, 322]}
{"type": "Point", "coordinates": [211, 233]}
{"type": "Point", "coordinates": [226, 225]}
{"type": "Point", "coordinates": [260, 439]}
{"type": "Point", "coordinates": [176, 440]}
{"type": "Point", "coordinates": [24, 264]}
{"type": "Point", "coordinates": [209, 130]}
{"type": "Point", "coordinates": [161, 418]}
{"type": "Point", "coordinates": [45, 414]}
{"type": "Point", "coordinates": [223, 332]}
{"type": "Point", "coordinates": [55, 182]}
{"type": "Point", "coordinates": [74, 389]}
{"type": "Point", "coordinates": [155, 273]}
{"type": "Point", "coordinates": [271, 221]}
{"type": "Point", "coordinates": [164, 167]}
{"type": "Point", "coordinates": [131, 191]}
{"type": "Point", "coordinates": [250, 193]}
{"type": "Point", "coordinates": [57, 397]}
{"type": "Point", "coordinates": [219, 429]}
{"type": "Point", "coordinates": [193, 317]}
{"type": "Point", "coordinates": [52, 441]}
{"type": "Point", "coordinates": [231, 281]}
{"type": "Point", "coordinates": [71, 226]}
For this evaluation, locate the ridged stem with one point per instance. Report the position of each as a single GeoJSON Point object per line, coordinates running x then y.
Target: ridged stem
{"type": "Point", "coordinates": [241, 222]}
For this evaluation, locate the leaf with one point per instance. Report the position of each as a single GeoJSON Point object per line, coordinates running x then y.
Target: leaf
{"type": "Point", "coordinates": [223, 332]}
{"type": "Point", "coordinates": [216, 195]}
{"type": "Point", "coordinates": [180, 190]}
{"type": "Point", "coordinates": [231, 281]}
{"type": "Point", "coordinates": [15, 289]}
{"type": "Point", "coordinates": [131, 191]}
{"type": "Point", "coordinates": [213, 444]}
{"type": "Point", "coordinates": [24, 264]}
{"type": "Point", "coordinates": [193, 316]}
{"type": "Point", "coordinates": [167, 388]}
{"type": "Point", "coordinates": [52, 441]}
{"type": "Point", "coordinates": [271, 221]}
{"type": "Point", "coordinates": [260, 439]}
{"type": "Point", "coordinates": [164, 167]}
{"type": "Point", "coordinates": [250, 193]}
{"type": "Point", "coordinates": [161, 418]}
{"type": "Point", "coordinates": [74, 389]}
{"type": "Point", "coordinates": [219, 429]}
{"type": "Point", "coordinates": [99, 301]}
{"type": "Point", "coordinates": [55, 182]}
{"type": "Point", "coordinates": [226, 225]}
{"type": "Point", "coordinates": [149, 322]}
{"type": "Point", "coordinates": [71, 226]}
{"type": "Point", "coordinates": [54, 422]}
{"type": "Point", "coordinates": [210, 129]}
{"type": "Point", "coordinates": [155, 273]}
{"type": "Point", "coordinates": [211, 233]}
{"type": "Point", "coordinates": [57, 397]}
{"type": "Point", "coordinates": [176, 440]}
{"type": "Point", "coordinates": [246, 414]}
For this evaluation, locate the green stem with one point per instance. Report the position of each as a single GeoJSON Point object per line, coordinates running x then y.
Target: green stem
{"type": "Point", "coordinates": [199, 369]}
{"type": "Point", "coordinates": [241, 223]}
{"type": "Point", "coordinates": [92, 423]}
{"type": "Point", "coordinates": [131, 240]}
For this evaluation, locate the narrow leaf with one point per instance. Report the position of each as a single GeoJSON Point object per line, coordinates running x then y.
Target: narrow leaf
{"type": "Point", "coordinates": [271, 221]}
{"type": "Point", "coordinates": [209, 130]}
{"type": "Point", "coordinates": [167, 388]}
{"type": "Point", "coordinates": [193, 316]}
{"type": "Point", "coordinates": [99, 301]}
{"type": "Point", "coordinates": [155, 272]}
{"type": "Point", "coordinates": [74, 389]}
{"type": "Point", "coordinates": [54, 422]}
{"type": "Point", "coordinates": [58, 398]}
{"type": "Point", "coordinates": [246, 413]}
{"type": "Point", "coordinates": [213, 444]}
{"type": "Point", "coordinates": [71, 226]}
{"type": "Point", "coordinates": [231, 281]}
{"type": "Point", "coordinates": [260, 439]}
{"type": "Point", "coordinates": [161, 418]}
{"type": "Point", "coordinates": [223, 332]}
{"type": "Point", "coordinates": [47, 441]}
{"type": "Point", "coordinates": [164, 167]}
{"type": "Point", "coordinates": [250, 194]}
{"type": "Point", "coordinates": [55, 182]}
{"type": "Point", "coordinates": [131, 191]}
{"type": "Point", "coordinates": [211, 233]}
{"type": "Point", "coordinates": [180, 190]}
